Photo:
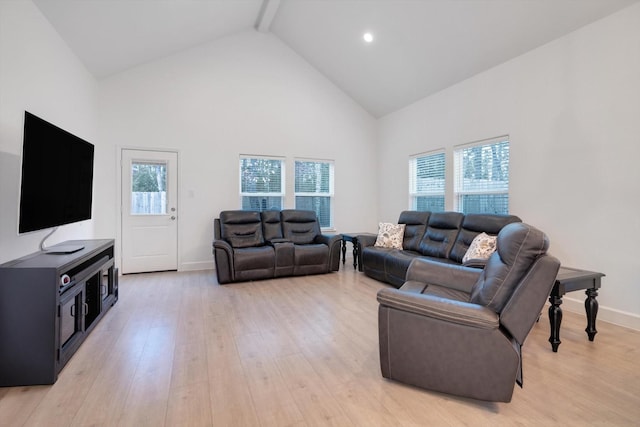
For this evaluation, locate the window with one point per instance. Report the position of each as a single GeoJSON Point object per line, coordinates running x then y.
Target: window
{"type": "Point", "coordinates": [314, 189]}
{"type": "Point", "coordinates": [261, 183]}
{"type": "Point", "coordinates": [481, 182]}
{"type": "Point", "coordinates": [427, 181]}
{"type": "Point", "coordinates": [148, 188]}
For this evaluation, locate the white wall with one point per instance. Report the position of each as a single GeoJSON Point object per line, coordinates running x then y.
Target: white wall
{"type": "Point", "coordinates": [244, 94]}
{"type": "Point", "coordinates": [40, 74]}
{"type": "Point", "coordinates": [572, 110]}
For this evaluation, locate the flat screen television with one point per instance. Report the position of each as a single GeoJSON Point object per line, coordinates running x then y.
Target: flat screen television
{"type": "Point", "coordinates": [57, 176]}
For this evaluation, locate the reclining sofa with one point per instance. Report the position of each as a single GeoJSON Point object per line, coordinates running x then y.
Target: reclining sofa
{"type": "Point", "coordinates": [251, 245]}
{"type": "Point", "coordinates": [459, 330]}
{"type": "Point", "coordinates": [438, 236]}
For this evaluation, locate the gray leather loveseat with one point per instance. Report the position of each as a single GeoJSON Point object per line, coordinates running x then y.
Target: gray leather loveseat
{"type": "Point", "coordinates": [438, 236]}
{"type": "Point", "coordinates": [253, 245]}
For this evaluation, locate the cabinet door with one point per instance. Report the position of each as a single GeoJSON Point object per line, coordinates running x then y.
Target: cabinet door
{"type": "Point", "coordinates": [71, 312]}
{"type": "Point", "coordinates": [107, 287]}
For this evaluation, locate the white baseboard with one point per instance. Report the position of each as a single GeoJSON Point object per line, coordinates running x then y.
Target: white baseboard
{"type": "Point", "coordinates": [605, 314]}
{"type": "Point", "coordinates": [196, 266]}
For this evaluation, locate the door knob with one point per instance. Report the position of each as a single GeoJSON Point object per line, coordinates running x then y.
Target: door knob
{"type": "Point", "coordinates": [173, 218]}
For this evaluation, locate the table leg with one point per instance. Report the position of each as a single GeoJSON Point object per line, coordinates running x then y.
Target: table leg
{"type": "Point", "coordinates": [355, 252]}
{"type": "Point", "coordinates": [344, 250]}
{"type": "Point", "coordinates": [555, 319]}
{"type": "Point", "coordinates": [591, 307]}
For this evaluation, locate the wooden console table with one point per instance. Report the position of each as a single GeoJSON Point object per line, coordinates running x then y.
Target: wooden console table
{"type": "Point", "coordinates": [569, 280]}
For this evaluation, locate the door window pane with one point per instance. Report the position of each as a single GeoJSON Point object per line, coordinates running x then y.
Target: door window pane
{"type": "Point", "coordinates": [148, 188]}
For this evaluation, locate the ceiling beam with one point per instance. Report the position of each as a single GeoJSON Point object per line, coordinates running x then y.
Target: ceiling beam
{"type": "Point", "coordinates": [266, 15]}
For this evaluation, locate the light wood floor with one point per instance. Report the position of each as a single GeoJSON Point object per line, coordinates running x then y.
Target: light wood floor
{"type": "Point", "coordinates": [179, 349]}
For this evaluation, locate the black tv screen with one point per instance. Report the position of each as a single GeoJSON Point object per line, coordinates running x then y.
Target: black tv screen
{"type": "Point", "coordinates": [57, 176]}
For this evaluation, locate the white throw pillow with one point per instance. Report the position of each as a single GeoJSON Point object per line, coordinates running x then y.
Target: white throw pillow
{"type": "Point", "coordinates": [481, 247]}
{"type": "Point", "coordinates": [390, 235]}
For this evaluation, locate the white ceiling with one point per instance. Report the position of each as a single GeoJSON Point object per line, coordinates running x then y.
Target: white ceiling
{"type": "Point", "coordinates": [420, 47]}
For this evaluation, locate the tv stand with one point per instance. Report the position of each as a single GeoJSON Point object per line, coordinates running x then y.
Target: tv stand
{"type": "Point", "coordinates": [49, 305]}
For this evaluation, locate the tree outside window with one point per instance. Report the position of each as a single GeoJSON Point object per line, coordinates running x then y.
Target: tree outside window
{"type": "Point", "coordinates": [261, 183]}
{"type": "Point", "coordinates": [482, 177]}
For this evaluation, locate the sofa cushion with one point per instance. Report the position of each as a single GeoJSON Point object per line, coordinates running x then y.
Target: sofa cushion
{"type": "Point", "coordinates": [299, 226]}
{"type": "Point", "coordinates": [271, 225]}
{"type": "Point", "coordinates": [441, 234]}
{"type": "Point", "coordinates": [396, 264]}
{"type": "Point", "coordinates": [518, 245]}
{"type": "Point", "coordinates": [390, 235]}
{"type": "Point", "coordinates": [481, 248]}
{"type": "Point", "coordinates": [415, 225]}
{"type": "Point", "coordinates": [242, 229]}
{"type": "Point", "coordinates": [474, 224]}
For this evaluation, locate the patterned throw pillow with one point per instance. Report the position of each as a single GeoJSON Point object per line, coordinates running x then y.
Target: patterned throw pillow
{"type": "Point", "coordinates": [481, 247]}
{"type": "Point", "coordinates": [390, 235]}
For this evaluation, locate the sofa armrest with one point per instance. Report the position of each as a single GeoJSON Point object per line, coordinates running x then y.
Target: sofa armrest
{"type": "Point", "coordinates": [435, 307]}
{"type": "Point", "coordinates": [334, 242]}
{"type": "Point", "coordinates": [365, 240]}
{"type": "Point", "coordinates": [222, 244]}
{"type": "Point", "coordinates": [328, 239]}
{"type": "Point", "coordinates": [438, 273]}
{"type": "Point", "coordinates": [476, 263]}
{"type": "Point", "coordinates": [223, 256]}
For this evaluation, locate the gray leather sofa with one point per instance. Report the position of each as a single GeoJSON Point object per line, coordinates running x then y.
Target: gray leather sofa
{"type": "Point", "coordinates": [253, 245]}
{"type": "Point", "coordinates": [460, 330]}
{"type": "Point", "coordinates": [439, 236]}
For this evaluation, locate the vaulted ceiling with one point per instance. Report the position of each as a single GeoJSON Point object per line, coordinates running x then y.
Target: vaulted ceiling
{"type": "Point", "coordinates": [419, 47]}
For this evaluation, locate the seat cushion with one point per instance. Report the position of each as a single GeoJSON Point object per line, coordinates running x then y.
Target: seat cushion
{"type": "Point", "coordinates": [254, 258]}
{"type": "Point", "coordinates": [313, 254]}
{"type": "Point", "coordinates": [311, 259]}
{"type": "Point", "coordinates": [396, 264]}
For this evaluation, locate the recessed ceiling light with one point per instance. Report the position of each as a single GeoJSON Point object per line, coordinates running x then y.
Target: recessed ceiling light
{"type": "Point", "coordinates": [368, 37]}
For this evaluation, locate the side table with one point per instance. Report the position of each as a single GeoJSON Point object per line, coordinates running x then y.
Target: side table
{"type": "Point", "coordinates": [353, 238]}
{"type": "Point", "coordinates": [569, 280]}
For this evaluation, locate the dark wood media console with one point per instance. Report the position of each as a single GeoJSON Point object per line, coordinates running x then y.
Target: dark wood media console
{"type": "Point", "coordinates": [48, 305]}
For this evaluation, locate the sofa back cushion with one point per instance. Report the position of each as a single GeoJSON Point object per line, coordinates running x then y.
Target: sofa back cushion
{"type": "Point", "coordinates": [474, 224]}
{"type": "Point", "coordinates": [299, 226]}
{"type": "Point", "coordinates": [519, 245]}
{"type": "Point", "coordinates": [441, 233]}
{"type": "Point", "coordinates": [271, 227]}
{"type": "Point", "coordinates": [415, 224]}
{"type": "Point", "coordinates": [242, 229]}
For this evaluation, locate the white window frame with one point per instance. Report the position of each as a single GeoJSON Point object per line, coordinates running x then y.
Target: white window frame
{"type": "Point", "coordinates": [428, 189]}
{"type": "Point", "coordinates": [280, 194]}
{"type": "Point", "coordinates": [328, 194]}
{"type": "Point", "coordinates": [463, 187]}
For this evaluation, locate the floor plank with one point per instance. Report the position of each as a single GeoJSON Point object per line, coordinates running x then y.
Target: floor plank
{"type": "Point", "coordinates": [180, 350]}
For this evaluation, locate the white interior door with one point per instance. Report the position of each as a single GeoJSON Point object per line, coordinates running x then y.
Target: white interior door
{"type": "Point", "coordinates": [149, 211]}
